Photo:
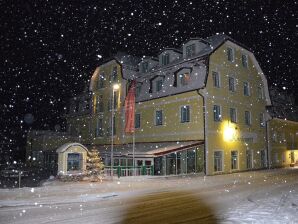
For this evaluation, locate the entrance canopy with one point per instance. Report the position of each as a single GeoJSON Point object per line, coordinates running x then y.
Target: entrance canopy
{"type": "Point", "coordinates": [148, 149]}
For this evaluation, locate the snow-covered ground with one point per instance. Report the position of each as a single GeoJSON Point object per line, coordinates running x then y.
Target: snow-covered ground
{"type": "Point", "coordinates": [269, 196]}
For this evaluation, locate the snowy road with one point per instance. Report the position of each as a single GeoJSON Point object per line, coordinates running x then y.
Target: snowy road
{"type": "Point", "coordinates": [249, 197]}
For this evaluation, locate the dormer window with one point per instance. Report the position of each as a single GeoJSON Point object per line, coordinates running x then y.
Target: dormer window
{"type": "Point", "coordinates": [165, 59]}
{"type": "Point", "coordinates": [184, 79]}
{"type": "Point", "coordinates": [158, 85]}
{"type": "Point", "coordinates": [144, 66]}
{"type": "Point", "coordinates": [190, 50]}
{"type": "Point", "coordinates": [138, 89]}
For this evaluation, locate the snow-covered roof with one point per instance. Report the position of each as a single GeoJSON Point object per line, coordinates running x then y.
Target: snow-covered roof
{"type": "Point", "coordinates": [149, 149]}
{"type": "Point", "coordinates": [66, 146]}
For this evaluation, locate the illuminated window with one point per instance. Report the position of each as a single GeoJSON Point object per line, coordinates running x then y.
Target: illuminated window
{"type": "Point", "coordinates": [184, 79]}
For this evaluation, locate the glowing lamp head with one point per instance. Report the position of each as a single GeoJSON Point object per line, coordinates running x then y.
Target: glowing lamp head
{"type": "Point", "coordinates": [116, 86]}
{"type": "Point", "coordinates": [229, 134]}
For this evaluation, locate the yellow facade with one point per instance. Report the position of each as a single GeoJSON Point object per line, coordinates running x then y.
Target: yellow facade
{"type": "Point", "coordinates": [172, 128]}
{"type": "Point", "coordinates": [227, 111]}
{"type": "Point", "coordinates": [224, 135]}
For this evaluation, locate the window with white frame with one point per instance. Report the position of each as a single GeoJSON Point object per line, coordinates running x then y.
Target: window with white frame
{"type": "Point", "coordinates": [246, 89]}
{"type": "Point", "coordinates": [165, 59]}
{"type": "Point", "coordinates": [232, 84]}
{"type": "Point", "coordinates": [184, 78]}
{"type": "Point", "coordinates": [247, 117]}
{"type": "Point", "coordinates": [190, 50]}
{"type": "Point", "coordinates": [158, 117]}
{"type": "Point", "coordinates": [234, 160]}
{"type": "Point", "coordinates": [216, 81]}
{"type": "Point", "coordinates": [233, 115]}
{"type": "Point", "coordinates": [244, 60]}
{"type": "Point", "coordinates": [262, 120]}
{"type": "Point", "coordinates": [137, 120]}
{"type": "Point", "coordinates": [230, 54]}
{"type": "Point", "coordinates": [218, 161]}
{"type": "Point", "coordinates": [184, 114]}
{"type": "Point", "coordinates": [216, 113]}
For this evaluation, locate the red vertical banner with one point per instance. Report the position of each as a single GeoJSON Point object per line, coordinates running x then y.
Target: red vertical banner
{"type": "Point", "coordinates": [129, 106]}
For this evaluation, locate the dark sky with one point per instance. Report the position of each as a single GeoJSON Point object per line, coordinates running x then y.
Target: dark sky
{"type": "Point", "coordinates": [49, 51]}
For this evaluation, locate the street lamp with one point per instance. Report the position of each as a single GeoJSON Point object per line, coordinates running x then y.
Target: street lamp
{"type": "Point", "coordinates": [115, 88]}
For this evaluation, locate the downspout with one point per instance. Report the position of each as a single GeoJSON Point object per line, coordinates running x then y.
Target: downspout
{"type": "Point", "coordinates": [267, 126]}
{"type": "Point", "coordinates": [206, 171]}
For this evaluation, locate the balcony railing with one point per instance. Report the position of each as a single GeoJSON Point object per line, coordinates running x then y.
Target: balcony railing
{"type": "Point", "coordinates": [123, 171]}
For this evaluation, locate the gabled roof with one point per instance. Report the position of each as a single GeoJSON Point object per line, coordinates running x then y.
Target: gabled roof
{"type": "Point", "coordinates": [170, 49]}
{"type": "Point", "coordinates": [66, 146]}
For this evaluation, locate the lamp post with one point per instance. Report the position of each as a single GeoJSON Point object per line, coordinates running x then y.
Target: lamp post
{"type": "Point", "coordinates": [115, 88]}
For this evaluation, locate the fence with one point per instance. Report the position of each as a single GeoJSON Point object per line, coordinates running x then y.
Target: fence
{"type": "Point", "coordinates": [123, 171]}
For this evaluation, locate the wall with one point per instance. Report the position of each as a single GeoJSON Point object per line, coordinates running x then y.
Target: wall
{"type": "Point", "coordinates": [241, 137]}
{"type": "Point", "coordinates": [283, 137]}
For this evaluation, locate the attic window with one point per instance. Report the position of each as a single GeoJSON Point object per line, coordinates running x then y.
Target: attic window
{"type": "Point", "coordinates": [165, 59]}
{"type": "Point", "coordinates": [144, 66]}
{"type": "Point", "coordinates": [190, 50]}
{"type": "Point", "coordinates": [184, 78]}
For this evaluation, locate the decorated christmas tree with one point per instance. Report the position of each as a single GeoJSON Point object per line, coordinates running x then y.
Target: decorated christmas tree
{"type": "Point", "coordinates": [94, 165]}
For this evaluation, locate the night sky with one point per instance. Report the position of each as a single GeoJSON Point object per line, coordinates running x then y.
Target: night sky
{"type": "Point", "coordinates": [49, 51]}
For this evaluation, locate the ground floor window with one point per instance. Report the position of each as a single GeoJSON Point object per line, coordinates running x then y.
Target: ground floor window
{"type": "Point", "coordinates": [263, 159]}
{"type": "Point", "coordinates": [73, 161]}
{"type": "Point", "coordinates": [234, 160]}
{"type": "Point", "coordinates": [218, 157]}
{"type": "Point", "coordinates": [249, 159]}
